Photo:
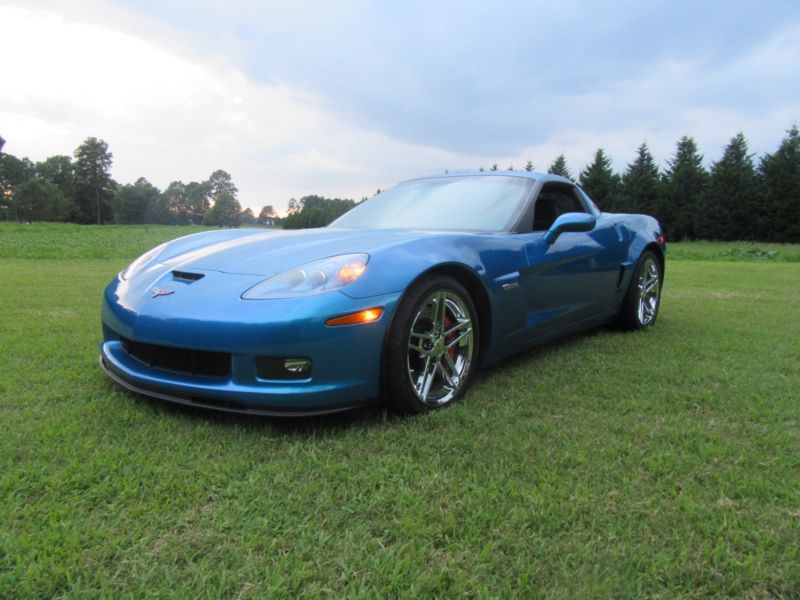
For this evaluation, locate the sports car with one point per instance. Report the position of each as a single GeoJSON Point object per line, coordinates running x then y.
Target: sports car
{"type": "Point", "coordinates": [400, 300]}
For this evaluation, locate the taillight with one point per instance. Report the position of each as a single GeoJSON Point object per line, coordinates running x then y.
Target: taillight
{"type": "Point", "coordinates": [661, 240]}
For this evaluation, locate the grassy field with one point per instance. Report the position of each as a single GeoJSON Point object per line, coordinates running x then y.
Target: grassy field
{"type": "Point", "coordinates": [735, 251]}
{"type": "Point", "coordinates": [663, 463]}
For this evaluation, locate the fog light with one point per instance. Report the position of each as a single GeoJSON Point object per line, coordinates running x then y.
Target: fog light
{"type": "Point", "coordinates": [283, 368]}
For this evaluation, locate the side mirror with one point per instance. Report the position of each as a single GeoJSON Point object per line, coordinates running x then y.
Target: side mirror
{"type": "Point", "coordinates": [569, 222]}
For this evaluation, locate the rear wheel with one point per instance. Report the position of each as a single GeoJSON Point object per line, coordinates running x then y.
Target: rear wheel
{"type": "Point", "coordinates": [432, 346]}
{"type": "Point", "coordinates": [643, 299]}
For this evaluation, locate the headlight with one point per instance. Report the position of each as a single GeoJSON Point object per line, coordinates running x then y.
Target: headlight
{"type": "Point", "coordinates": [314, 278]}
{"type": "Point", "coordinates": [145, 258]}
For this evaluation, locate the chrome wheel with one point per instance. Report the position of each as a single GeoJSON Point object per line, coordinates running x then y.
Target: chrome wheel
{"type": "Point", "coordinates": [440, 348]}
{"type": "Point", "coordinates": [649, 288]}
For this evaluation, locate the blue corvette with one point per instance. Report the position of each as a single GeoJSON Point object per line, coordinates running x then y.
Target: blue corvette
{"type": "Point", "coordinates": [400, 299]}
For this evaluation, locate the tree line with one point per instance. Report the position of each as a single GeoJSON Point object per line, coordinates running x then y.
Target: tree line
{"type": "Point", "coordinates": [735, 199]}
{"type": "Point", "coordinates": [80, 189]}
{"type": "Point", "coordinates": [315, 211]}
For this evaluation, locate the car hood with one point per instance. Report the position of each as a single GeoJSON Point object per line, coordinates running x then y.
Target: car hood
{"type": "Point", "coordinates": [273, 252]}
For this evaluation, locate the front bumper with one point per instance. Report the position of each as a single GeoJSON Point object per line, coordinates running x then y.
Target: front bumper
{"type": "Point", "coordinates": [346, 360]}
{"type": "Point", "coordinates": [217, 403]}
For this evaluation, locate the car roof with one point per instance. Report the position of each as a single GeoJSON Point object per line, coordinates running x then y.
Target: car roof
{"type": "Point", "coordinates": [534, 175]}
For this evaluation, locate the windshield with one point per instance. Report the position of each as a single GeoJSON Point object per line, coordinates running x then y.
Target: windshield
{"type": "Point", "coordinates": [471, 203]}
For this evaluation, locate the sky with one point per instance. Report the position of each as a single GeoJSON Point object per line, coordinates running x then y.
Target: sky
{"type": "Point", "coordinates": [340, 98]}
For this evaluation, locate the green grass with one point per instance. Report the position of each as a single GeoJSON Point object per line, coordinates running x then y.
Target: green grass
{"type": "Point", "coordinates": [662, 463]}
{"type": "Point", "coordinates": [734, 251]}
{"type": "Point", "coordinates": [64, 240]}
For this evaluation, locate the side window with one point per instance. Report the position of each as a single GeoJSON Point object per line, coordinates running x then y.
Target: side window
{"type": "Point", "coordinates": [554, 200]}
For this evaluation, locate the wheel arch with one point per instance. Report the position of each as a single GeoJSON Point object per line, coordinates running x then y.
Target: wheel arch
{"type": "Point", "coordinates": [480, 297]}
{"type": "Point", "coordinates": [478, 293]}
{"type": "Point", "coordinates": [659, 252]}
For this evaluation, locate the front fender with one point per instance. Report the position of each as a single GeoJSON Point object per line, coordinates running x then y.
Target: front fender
{"type": "Point", "coordinates": [393, 268]}
{"type": "Point", "coordinates": [493, 260]}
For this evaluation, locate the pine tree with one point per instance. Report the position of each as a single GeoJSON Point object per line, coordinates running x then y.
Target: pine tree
{"type": "Point", "coordinates": [780, 176]}
{"type": "Point", "coordinates": [640, 185]}
{"type": "Point", "coordinates": [559, 167]}
{"type": "Point", "coordinates": [685, 183]}
{"type": "Point", "coordinates": [529, 166]}
{"type": "Point", "coordinates": [93, 184]}
{"type": "Point", "coordinates": [494, 167]}
{"type": "Point", "coordinates": [600, 182]}
{"type": "Point", "coordinates": [730, 210]}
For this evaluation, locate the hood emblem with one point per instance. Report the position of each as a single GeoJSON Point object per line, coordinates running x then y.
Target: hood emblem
{"type": "Point", "coordinates": [157, 292]}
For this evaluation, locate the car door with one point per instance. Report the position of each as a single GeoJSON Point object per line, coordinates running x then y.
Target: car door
{"type": "Point", "coordinates": [574, 278]}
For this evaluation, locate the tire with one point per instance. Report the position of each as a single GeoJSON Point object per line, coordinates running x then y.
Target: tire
{"type": "Point", "coordinates": [431, 353]}
{"type": "Point", "coordinates": [643, 298]}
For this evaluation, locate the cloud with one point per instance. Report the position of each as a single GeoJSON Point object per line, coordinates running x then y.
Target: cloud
{"type": "Point", "coordinates": [343, 98]}
{"type": "Point", "coordinates": [475, 78]}
{"type": "Point", "coordinates": [167, 116]}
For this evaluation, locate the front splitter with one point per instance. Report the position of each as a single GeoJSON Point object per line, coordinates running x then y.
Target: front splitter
{"type": "Point", "coordinates": [209, 404]}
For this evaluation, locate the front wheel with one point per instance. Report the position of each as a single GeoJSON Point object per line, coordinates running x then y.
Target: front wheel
{"type": "Point", "coordinates": [432, 346]}
{"type": "Point", "coordinates": [642, 301]}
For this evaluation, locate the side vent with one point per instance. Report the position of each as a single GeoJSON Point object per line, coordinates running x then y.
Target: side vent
{"type": "Point", "coordinates": [186, 276]}
{"type": "Point", "coordinates": [621, 275]}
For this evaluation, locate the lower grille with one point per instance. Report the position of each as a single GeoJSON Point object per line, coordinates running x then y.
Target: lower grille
{"type": "Point", "coordinates": [180, 360]}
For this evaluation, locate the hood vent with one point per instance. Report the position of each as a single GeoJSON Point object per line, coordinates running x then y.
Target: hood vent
{"type": "Point", "coordinates": [186, 276]}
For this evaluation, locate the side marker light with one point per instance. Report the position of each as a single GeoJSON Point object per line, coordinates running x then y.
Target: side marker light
{"type": "Point", "coordinates": [362, 316]}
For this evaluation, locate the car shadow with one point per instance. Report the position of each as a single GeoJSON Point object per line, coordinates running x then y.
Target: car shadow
{"type": "Point", "coordinates": [307, 426]}
{"type": "Point", "coordinates": [569, 340]}
{"type": "Point", "coordinates": [366, 417]}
